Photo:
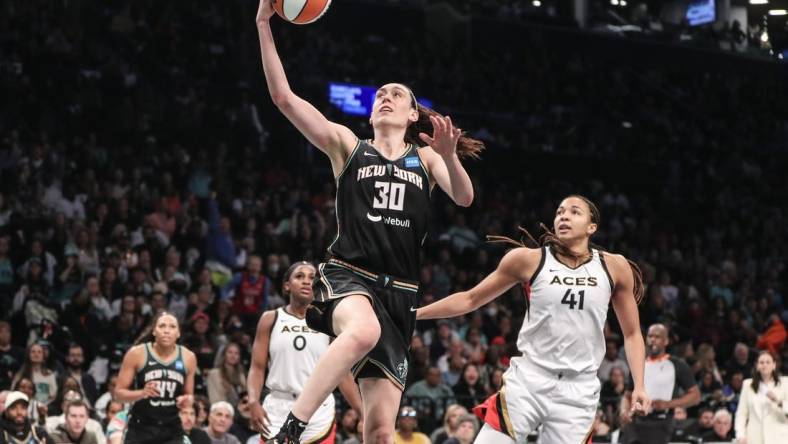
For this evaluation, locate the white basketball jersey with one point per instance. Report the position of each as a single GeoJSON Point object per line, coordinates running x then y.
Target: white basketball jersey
{"type": "Point", "coordinates": [293, 352]}
{"type": "Point", "coordinates": [568, 309]}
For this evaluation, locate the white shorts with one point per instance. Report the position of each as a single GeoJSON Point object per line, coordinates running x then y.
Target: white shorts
{"type": "Point", "coordinates": [565, 406]}
{"type": "Point", "coordinates": [319, 427]}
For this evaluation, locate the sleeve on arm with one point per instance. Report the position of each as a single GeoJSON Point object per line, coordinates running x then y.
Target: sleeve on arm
{"type": "Point", "coordinates": [684, 375]}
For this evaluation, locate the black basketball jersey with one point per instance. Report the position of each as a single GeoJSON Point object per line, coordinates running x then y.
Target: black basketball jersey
{"type": "Point", "coordinates": [170, 377]}
{"type": "Point", "coordinates": [382, 209]}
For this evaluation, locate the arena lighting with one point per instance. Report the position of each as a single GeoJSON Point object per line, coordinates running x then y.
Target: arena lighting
{"type": "Point", "coordinates": [765, 37]}
{"type": "Point", "coordinates": [759, 2]}
{"type": "Point", "coordinates": [536, 3]}
{"type": "Point", "coordinates": [614, 2]}
{"type": "Point", "coordinates": [778, 12]}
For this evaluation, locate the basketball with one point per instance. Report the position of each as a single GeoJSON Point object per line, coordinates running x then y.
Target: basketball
{"type": "Point", "coordinates": [301, 12]}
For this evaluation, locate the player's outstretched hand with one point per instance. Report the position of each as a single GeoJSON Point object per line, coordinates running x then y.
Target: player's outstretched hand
{"type": "Point", "coordinates": [641, 404]}
{"type": "Point", "coordinates": [444, 136]}
{"type": "Point", "coordinates": [259, 420]}
{"type": "Point", "coordinates": [264, 11]}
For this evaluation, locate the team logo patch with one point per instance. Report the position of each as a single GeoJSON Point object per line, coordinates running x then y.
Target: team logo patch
{"type": "Point", "coordinates": [402, 369]}
{"type": "Point", "coordinates": [178, 365]}
{"type": "Point", "coordinates": [412, 162]}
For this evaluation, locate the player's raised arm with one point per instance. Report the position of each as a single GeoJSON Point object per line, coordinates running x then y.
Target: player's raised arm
{"type": "Point", "coordinates": [516, 266]}
{"type": "Point", "coordinates": [333, 139]}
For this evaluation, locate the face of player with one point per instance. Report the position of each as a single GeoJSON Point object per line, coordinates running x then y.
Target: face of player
{"type": "Point", "coordinates": [573, 220]}
{"type": "Point", "coordinates": [167, 331]}
{"type": "Point", "coordinates": [299, 286]}
{"type": "Point", "coordinates": [765, 366]}
{"type": "Point", "coordinates": [393, 105]}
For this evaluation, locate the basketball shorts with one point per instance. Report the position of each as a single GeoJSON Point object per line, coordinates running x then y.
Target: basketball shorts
{"type": "Point", "coordinates": [321, 427]}
{"type": "Point", "coordinates": [394, 301]}
{"type": "Point", "coordinates": [154, 432]}
{"type": "Point", "coordinates": [565, 405]}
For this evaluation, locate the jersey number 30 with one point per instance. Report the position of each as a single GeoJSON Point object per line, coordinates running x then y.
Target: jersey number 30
{"type": "Point", "coordinates": [389, 196]}
{"type": "Point", "coordinates": [569, 299]}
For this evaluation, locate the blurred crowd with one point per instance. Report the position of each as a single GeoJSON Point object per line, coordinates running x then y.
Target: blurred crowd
{"type": "Point", "coordinates": [143, 168]}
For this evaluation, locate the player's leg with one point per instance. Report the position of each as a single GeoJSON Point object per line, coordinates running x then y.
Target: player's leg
{"type": "Point", "coordinates": [488, 435]}
{"type": "Point", "coordinates": [519, 407]}
{"type": "Point", "coordinates": [357, 329]}
{"type": "Point", "coordinates": [277, 410]}
{"type": "Point", "coordinates": [572, 412]}
{"type": "Point", "coordinates": [381, 403]}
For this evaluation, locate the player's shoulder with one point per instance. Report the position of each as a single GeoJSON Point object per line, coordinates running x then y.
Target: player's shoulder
{"type": "Point", "coordinates": [267, 320]}
{"type": "Point", "coordinates": [523, 262]}
{"type": "Point", "coordinates": [614, 259]}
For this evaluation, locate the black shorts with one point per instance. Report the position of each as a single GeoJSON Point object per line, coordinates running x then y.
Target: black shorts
{"type": "Point", "coordinates": [154, 432]}
{"type": "Point", "coordinates": [394, 301]}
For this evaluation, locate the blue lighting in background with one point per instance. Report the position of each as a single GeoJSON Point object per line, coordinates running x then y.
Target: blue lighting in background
{"type": "Point", "coordinates": [357, 100]}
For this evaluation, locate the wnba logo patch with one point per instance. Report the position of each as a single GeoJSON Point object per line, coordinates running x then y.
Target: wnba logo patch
{"type": "Point", "coordinates": [412, 162]}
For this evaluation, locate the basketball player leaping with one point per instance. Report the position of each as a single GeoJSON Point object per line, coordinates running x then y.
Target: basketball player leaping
{"type": "Point", "coordinates": [365, 293]}
{"type": "Point", "coordinates": [568, 286]}
{"type": "Point", "coordinates": [285, 353]}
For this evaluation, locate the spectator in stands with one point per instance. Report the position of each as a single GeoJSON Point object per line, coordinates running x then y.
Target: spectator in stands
{"type": "Point", "coordinates": [228, 379]}
{"type": "Point", "coordinates": [740, 361]}
{"type": "Point", "coordinates": [612, 390]}
{"type": "Point", "coordinates": [722, 430]}
{"type": "Point", "coordinates": [241, 427]}
{"type": "Point", "coordinates": [220, 419]}
{"type": "Point", "coordinates": [467, 426]}
{"type": "Point", "coordinates": [75, 360]}
{"type": "Point", "coordinates": [450, 422]}
{"type": "Point", "coordinates": [15, 427]}
{"type": "Point", "coordinates": [73, 430]}
{"type": "Point", "coordinates": [250, 289]}
{"type": "Point", "coordinates": [11, 356]}
{"type": "Point", "coordinates": [407, 423]}
{"type": "Point", "coordinates": [470, 390]}
{"type": "Point", "coordinates": [612, 359]}
{"type": "Point", "coordinates": [431, 389]}
{"type": "Point", "coordinates": [35, 369]}
{"type": "Point", "coordinates": [53, 422]}
{"type": "Point", "coordinates": [347, 426]}
{"type": "Point", "coordinates": [196, 435]}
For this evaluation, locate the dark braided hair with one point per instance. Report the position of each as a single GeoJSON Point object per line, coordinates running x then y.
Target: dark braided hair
{"type": "Point", "coordinates": [549, 239]}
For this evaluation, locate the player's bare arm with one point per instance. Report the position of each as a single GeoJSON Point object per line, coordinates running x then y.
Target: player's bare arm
{"type": "Point", "coordinates": [516, 266]}
{"type": "Point", "coordinates": [626, 309]}
{"type": "Point", "coordinates": [337, 141]}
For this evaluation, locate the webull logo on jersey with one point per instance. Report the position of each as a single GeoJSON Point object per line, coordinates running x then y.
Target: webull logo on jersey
{"type": "Point", "coordinates": [382, 170]}
{"type": "Point", "coordinates": [393, 221]}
